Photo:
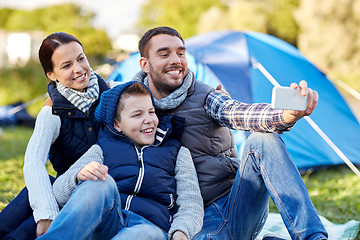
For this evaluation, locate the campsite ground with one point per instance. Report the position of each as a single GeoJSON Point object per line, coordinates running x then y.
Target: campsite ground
{"type": "Point", "coordinates": [334, 191]}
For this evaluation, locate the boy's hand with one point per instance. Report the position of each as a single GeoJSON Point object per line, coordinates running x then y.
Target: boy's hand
{"type": "Point", "coordinates": [179, 235]}
{"type": "Point", "coordinates": [93, 171]}
{"type": "Point", "coordinates": [42, 227]}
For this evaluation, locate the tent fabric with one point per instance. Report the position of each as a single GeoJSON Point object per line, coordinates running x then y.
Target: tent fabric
{"type": "Point", "coordinates": [227, 57]}
{"type": "Point", "coordinates": [21, 117]}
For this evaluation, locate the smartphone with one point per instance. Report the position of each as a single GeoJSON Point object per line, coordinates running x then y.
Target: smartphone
{"type": "Point", "coordinates": [288, 98]}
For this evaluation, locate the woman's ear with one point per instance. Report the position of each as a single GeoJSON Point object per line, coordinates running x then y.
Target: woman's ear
{"type": "Point", "coordinates": [51, 76]}
{"type": "Point", "coordinates": [117, 125]}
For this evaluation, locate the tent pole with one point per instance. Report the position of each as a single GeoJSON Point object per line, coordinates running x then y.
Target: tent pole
{"type": "Point", "coordinates": [25, 105]}
{"type": "Point", "coordinates": [332, 145]}
{"type": "Point", "coordinates": [347, 88]}
{"type": "Point", "coordinates": [353, 105]}
{"type": "Point", "coordinates": [261, 68]}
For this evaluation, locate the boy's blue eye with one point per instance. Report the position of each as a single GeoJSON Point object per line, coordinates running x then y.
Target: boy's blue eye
{"type": "Point", "coordinates": [66, 66]}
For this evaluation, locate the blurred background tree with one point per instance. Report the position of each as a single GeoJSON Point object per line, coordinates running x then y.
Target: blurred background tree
{"type": "Point", "coordinates": [182, 15]}
{"type": "Point", "coordinates": [24, 83]}
{"type": "Point", "coordinates": [267, 16]}
{"type": "Point", "coordinates": [68, 18]}
{"type": "Point", "coordinates": [329, 36]}
{"type": "Point", "coordinates": [193, 17]}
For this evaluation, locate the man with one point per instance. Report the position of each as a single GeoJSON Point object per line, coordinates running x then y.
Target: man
{"type": "Point", "coordinates": [235, 192]}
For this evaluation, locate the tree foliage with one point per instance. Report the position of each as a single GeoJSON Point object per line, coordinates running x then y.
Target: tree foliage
{"type": "Point", "coordinates": [191, 17]}
{"type": "Point", "coordinates": [237, 15]}
{"type": "Point", "coordinates": [182, 15]}
{"type": "Point", "coordinates": [28, 82]}
{"type": "Point", "coordinates": [22, 83]}
{"type": "Point", "coordinates": [273, 17]}
{"type": "Point", "coordinates": [280, 20]}
{"type": "Point", "coordinates": [329, 36]}
{"type": "Point", "coordinates": [68, 18]}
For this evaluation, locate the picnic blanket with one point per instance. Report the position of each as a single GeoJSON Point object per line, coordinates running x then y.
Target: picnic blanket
{"type": "Point", "coordinates": [274, 226]}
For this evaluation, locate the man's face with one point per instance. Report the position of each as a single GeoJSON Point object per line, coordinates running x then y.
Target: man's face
{"type": "Point", "coordinates": [166, 64]}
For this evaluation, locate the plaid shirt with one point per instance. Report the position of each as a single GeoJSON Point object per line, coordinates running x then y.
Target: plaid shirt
{"type": "Point", "coordinates": [256, 117]}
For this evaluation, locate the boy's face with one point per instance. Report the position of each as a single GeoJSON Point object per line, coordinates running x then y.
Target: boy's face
{"type": "Point", "coordinates": [138, 120]}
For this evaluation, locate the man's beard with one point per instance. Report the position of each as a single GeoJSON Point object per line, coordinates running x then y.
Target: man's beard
{"type": "Point", "coordinates": [160, 82]}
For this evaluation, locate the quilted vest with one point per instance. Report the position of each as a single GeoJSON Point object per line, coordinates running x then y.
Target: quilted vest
{"type": "Point", "coordinates": [144, 176]}
{"type": "Point", "coordinates": [78, 130]}
{"type": "Point", "coordinates": [211, 146]}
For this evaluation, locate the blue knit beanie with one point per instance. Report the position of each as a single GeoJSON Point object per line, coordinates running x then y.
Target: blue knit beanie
{"type": "Point", "coordinates": [105, 111]}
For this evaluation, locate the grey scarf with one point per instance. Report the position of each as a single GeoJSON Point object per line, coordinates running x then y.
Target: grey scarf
{"type": "Point", "coordinates": [81, 100]}
{"type": "Point", "coordinates": [174, 99]}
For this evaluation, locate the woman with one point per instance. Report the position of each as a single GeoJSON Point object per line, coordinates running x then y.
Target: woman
{"type": "Point", "coordinates": [62, 133]}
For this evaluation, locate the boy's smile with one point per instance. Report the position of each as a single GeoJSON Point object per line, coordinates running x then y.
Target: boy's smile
{"type": "Point", "coordinates": [138, 120]}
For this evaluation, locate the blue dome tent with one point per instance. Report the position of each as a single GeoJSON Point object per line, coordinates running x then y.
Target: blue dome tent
{"type": "Point", "coordinates": [246, 64]}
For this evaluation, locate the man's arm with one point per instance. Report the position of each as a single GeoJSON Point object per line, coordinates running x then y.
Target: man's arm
{"type": "Point", "coordinates": [257, 117]}
{"type": "Point", "coordinates": [189, 217]}
{"type": "Point", "coordinates": [67, 182]}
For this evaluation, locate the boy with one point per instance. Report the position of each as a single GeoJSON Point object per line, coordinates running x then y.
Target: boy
{"type": "Point", "coordinates": [154, 175]}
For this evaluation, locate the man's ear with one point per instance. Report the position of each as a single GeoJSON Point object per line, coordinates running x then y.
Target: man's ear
{"type": "Point", "coordinates": [117, 125]}
{"type": "Point", "coordinates": [51, 76]}
{"type": "Point", "coordinates": [144, 64]}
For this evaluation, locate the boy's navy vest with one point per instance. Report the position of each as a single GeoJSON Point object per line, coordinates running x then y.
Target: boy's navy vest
{"type": "Point", "coordinates": [78, 131]}
{"type": "Point", "coordinates": [144, 177]}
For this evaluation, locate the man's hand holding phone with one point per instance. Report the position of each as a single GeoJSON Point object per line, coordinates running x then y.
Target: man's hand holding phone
{"type": "Point", "coordinates": [288, 98]}
{"type": "Point", "coordinates": [294, 106]}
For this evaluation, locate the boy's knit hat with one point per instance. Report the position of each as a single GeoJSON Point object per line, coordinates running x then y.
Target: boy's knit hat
{"type": "Point", "coordinates": [105, 111]}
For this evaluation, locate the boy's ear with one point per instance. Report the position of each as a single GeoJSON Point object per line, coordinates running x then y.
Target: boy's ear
{"type": "Point", "coordinates": [144, 64]}
{"type": "Point", "coordinates": [117, 125]}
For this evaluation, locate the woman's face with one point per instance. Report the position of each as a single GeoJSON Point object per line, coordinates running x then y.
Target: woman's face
{"type": "Point", "coordinates": [71, 67]}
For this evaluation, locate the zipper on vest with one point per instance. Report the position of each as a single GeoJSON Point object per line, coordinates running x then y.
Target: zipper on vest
{"type": "Point", "coordinates": [172, 201]}
{"type": "Point", "coordinates": [140, 179]}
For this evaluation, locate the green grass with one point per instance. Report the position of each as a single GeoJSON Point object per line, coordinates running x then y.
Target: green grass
{"type": "Point", "coordinates": [12, 149]}
{"type": "Point", "coordinates": [334, 191]}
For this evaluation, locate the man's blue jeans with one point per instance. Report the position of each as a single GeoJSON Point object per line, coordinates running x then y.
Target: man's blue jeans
{"type": "Point", "coordinates": [266, 170]}
{"type": "Point", "coordinates": [94, 212]}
